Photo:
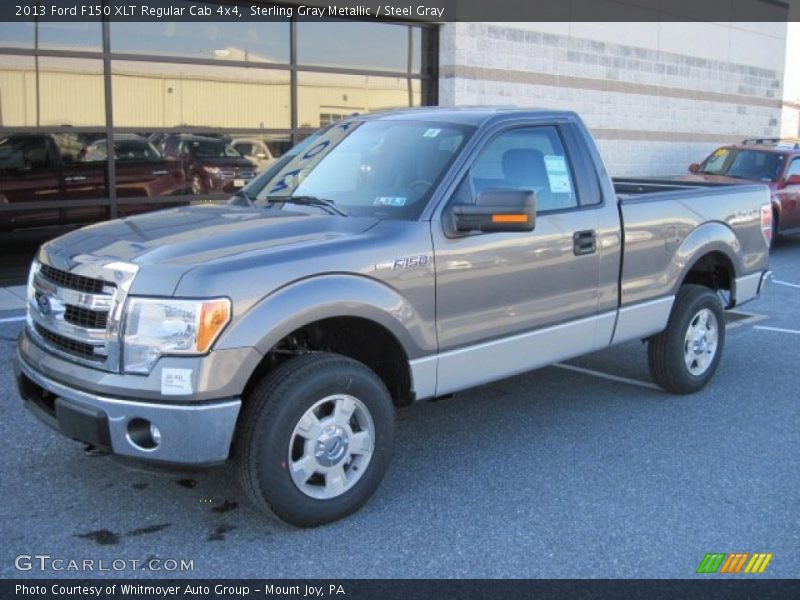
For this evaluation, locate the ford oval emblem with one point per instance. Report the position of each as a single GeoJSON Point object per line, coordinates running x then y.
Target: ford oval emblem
{"type": "Point", "coordinates": [43, 302]}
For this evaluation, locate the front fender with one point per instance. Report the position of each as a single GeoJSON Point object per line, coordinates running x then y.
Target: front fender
{"type": "Point", "coordinates": [342, 295]}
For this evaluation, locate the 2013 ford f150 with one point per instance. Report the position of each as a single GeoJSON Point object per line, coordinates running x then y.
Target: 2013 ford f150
{"type": "Point", "coordinates": [389, 258]}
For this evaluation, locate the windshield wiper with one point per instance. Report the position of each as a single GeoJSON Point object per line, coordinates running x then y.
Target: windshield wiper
{"type": "Point", "coordinates": [323, 203]}
{"type": "Point", "coordinates": [250, 198]}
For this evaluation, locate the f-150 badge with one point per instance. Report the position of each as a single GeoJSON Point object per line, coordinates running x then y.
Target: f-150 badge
{"type": "Point", "coordinates": [405, 262]}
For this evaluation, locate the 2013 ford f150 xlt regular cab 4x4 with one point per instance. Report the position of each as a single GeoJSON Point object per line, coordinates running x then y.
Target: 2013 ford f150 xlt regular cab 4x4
{"type": "Point", "coordinates": [391, 257]}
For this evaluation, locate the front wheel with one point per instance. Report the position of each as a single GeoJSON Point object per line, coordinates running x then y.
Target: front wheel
{"type": "Point", "coordinates": [684, 357]}
{"type": "Point", "coordinates": [315, 439]}
{"type": "Point", "coordinates": [197, 186]}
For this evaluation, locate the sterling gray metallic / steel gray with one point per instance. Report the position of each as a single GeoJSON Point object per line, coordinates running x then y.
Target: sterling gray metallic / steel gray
{"type": "Point", "coordinates": [388, 258]}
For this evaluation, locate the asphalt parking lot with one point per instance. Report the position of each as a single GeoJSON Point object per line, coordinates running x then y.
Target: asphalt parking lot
{"type": "Point", "coordinates": [563, 472]}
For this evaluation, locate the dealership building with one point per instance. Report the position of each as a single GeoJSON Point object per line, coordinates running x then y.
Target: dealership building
{"type": "Point", "coordinates": [657, 95]}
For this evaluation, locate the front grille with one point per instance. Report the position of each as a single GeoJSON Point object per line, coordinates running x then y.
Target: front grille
{"type": "Point", "coordinates": [83, 317]}
{"type": "Point", "coordinates": [71, 314]}
{"type": "Point", "coordinates": [72, 281]}
{"type": "Point", "coordinates": [68, 345]}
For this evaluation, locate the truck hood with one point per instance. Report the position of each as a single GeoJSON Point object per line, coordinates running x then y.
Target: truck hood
{"type": "Point", "coordinates": [168, 243]}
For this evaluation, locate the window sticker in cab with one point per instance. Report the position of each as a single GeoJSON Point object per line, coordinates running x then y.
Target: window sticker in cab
{"type": "Point", "coordinates": [431, 133]}
{"type": "Point", "coordinates": [389, 201]}
{"type": "Point", "coordinates": [557, 174]}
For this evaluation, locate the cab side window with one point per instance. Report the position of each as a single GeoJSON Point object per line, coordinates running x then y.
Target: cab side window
{"type": "Point", "coordinates": [244, 148]}
{"type": "Point", "coordinates": [528, 158]}
{"type": "Point", "coordinates": [794, 168]}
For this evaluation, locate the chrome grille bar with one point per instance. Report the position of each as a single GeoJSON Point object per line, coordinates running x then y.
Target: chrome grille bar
{"type": "Point", "coordinates": [100, 302]}
{"type": "Point", "coordinates": [76, 313]}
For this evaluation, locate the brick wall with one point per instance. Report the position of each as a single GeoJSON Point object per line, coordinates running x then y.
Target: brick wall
{"type": "Point", "coordinates": [658, 96]}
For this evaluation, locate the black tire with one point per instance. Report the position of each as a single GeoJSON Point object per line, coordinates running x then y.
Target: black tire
{"type": "Point", "coordinates": [666, 352]}
{"type": "Point", "coordinates": [267, 425]}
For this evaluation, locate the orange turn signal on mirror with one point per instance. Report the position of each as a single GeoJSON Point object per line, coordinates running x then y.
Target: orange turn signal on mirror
{"type": "Point", "coordinates": [522, 218]}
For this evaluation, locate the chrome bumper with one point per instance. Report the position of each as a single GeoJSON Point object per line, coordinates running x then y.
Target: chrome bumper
{"type": "Point", "coordinates": [186, 434]}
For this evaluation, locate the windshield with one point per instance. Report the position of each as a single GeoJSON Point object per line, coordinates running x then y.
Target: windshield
{"type": "Point", "coordinates": [22, 152]}
{"type": "Point", "coordinates": [755, 165]}
{"type": "Point", "coordinates": [124, 150]}
{"type": "Point", "coordinates": [210, 149]}
{"type": "Point", "coordinates": [384, 169]}
{"type": "Point", "coordinates": [135, 150]}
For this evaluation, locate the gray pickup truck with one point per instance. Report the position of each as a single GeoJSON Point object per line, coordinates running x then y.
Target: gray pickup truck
{"type": "Point", "coordinates": [388, 258]}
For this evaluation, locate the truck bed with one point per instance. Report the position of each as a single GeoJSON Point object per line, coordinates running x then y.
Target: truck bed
{"type": "Point", "coordinates": [660, 216]}
{"type": "Point", "coordinates": [634, 186]}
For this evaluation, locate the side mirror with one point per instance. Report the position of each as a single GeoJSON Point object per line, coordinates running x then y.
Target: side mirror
{"type": "Point", "coordinates": [694, 168]}
{"type": "Point", "coordinates": [793, 180]}
{"type": "Point", "coordinates": [496, 210]}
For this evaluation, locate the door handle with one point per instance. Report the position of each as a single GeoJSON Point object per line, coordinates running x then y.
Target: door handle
{"type": "Point", "coordinates": [584, 242]}
{"type": "Point", "coordinates": [75, 178]}
{"type": "Point", "coordinates": [160, 172]}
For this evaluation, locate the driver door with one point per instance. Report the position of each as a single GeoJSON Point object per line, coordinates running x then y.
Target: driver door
{"type": "Point", "coordinates": [511, 301]}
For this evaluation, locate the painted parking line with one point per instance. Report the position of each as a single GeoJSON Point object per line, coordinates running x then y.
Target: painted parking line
{"type": "Point", "coordinates": [786, 283]}
{"type": "Point", "coordinates": [778, 329]}
{"type": "Point", "coordinates": [600, 374]}
{"type": "Point", "coordinates": [13, 319]}
{"type": "Point", "coordinates": [734, 319]}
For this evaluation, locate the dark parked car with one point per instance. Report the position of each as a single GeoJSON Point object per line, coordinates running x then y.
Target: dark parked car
{"type": "Point", "coordinates": [773, 161]}
{"type": "Point", "coordinates": [209, 164]}
{"type": "Point", "coordinates": [41, 168]}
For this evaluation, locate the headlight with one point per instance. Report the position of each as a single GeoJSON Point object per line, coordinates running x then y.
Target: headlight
{"type": "Point", "coordinates": [155, 327]}
{"type": "Point", "coordinates": [211, 170]}
{"type": "Point", "coordinates": [31, 291]}
{"type": "Point", "coordinates": [31, 274]}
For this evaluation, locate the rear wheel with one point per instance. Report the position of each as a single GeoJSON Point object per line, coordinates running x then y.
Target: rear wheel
{"type": "Point", "coordinates": [315, 439]}
{"type": "Point", "coordinates": [684, 357]}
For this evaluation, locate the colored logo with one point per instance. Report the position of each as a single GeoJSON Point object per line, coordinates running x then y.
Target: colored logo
{"type": "Point", "coordinates": [735, 563]}
{"type": "Point", "coordinates": [44, 304]}
{"type": "Point", "coordinates": [50, 305]}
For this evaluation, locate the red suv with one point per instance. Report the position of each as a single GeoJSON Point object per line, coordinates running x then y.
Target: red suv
{"type": "Point", "coordinates": [209, 164]}
{"type": "Point", "coordinates": [773, 161]}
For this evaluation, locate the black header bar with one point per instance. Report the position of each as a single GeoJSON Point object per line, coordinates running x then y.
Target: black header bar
{"type": "Point", "coordinates": [431, 11]}
{"type": "Point", "coordinates": [394, 589]}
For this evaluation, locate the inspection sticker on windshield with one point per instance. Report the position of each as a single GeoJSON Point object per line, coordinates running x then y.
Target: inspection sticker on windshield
{"type": "Point", "coordinates": [557, 174]}
{"type": "Point", "coordinates": [389, 201]}
{"type": "Point", "coordinates": [431, 133]}
{"type": "Point", "coordinates": [176, 382]}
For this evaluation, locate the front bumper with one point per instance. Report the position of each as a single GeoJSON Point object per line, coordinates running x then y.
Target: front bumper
{"type": "Point", "coordinates": [196, 434]}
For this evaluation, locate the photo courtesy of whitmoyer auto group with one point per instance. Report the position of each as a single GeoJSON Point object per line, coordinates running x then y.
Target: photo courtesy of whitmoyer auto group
{"type": "Point", "coordinates": [368, 300]}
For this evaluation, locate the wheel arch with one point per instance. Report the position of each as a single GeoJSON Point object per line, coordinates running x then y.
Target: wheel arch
{"type": "Point", "coordinates": [349, 315]}
{"type": "Point", "coordinates": [710, 256]}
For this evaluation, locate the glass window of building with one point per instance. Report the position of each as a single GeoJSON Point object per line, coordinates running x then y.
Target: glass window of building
{"type": "Point", "coordinates": [249, 42]}
{"type": "Point", "coordinates": [17, 91]}
{"type": "Point", "coordinates": [359, 45]}
{"type": "Point", "coordinates": [155, 95]}
{"type": "Point", "coordinates": [323, 98]}
{"type": "Point", "coordinates": [84, 36]}
{"type": "Point", "coordinates": [17, 35]}
{"type": "Point", "coordinates": [71, 92]}
{"type": "Point", "coordinates": [180, 93]}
